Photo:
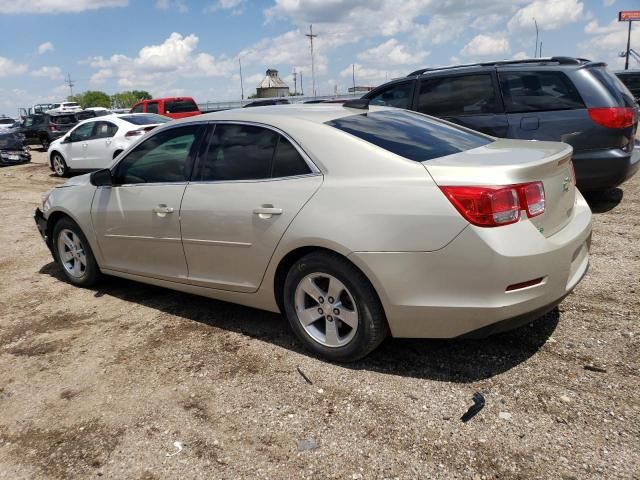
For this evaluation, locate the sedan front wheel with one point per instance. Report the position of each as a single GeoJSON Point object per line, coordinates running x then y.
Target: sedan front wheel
{"type": "Point", "coordinates": [332, 308]}
{"type": "Point", "coordinates": [74, 255]}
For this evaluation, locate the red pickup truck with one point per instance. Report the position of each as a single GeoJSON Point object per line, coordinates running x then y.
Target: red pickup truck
{"type": "Point", "coordinates": [172, 107]}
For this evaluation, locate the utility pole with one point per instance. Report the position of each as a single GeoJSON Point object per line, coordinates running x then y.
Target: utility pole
{"type": "Point", "coordinates": [313, 70]}
{"type": "Point", "coordinates": [353, 74]}
{"type": "Point", "coordinates": [626, 59]}
{"type": "Point", "coordinates": [295, 83]}
{"type": "Point", "coordinates": [301, 85]}
{"type": "Point", "coordinates": [535, 55]}
{"type": "Point", "coordinates": [70, 83]}
{"type": "Point", "coordinates": [540, 52]}
{"type": "Point", "coordinates": [241, 84]}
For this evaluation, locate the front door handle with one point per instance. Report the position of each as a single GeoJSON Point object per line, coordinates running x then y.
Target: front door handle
{"type": "Point", "coordinates": [266, 211]}
{"type": "Point", "coordinates": [85, 146]}
{"type": "Point", "coordinates": [162, 210]}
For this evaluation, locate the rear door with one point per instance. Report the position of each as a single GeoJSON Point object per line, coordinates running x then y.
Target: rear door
{"type": "Point", "coordinates": [77, 148]}
{"type": "Point", "coordinates": [152, 107]}
{"type": "Point", "coordinates": [543, 105]}
{"type": "Point", "coordinates": [249, 184]}
{"type": "Point", "coordinates": [470, 99]}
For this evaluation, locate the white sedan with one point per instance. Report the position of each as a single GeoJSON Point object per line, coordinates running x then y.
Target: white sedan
{"type": "Point", "coordinates": [94, 143]}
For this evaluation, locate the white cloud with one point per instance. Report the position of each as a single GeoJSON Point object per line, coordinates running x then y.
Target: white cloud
{"type": "Point", "coordinates": [174, 58]}
{"type": "Point", "coordinates": [483, 45]}
{"type": "Point", "coordinates": [57, 6]}
{"type": "Point", "coordinates": [45, 47]}
{"type": "Point", "coordinates": [236, 6]}
{"type": "Point", "coordinates": [10, 68]}
{"type": "Point", "coordinates": [178, 5]}
{"type": "Point", "coordinates": [550, 14]}
{"type": "Point", "coordinates": [520, 56]}
{"type": "Point", "coordinates": [607, 41]}
{"type": "Point", "coordinates": [391, 52]}
{"type": "Point", "coordinates": [369, 76]}
{"type": "Point", "coordinates": [608, 3]}
{"type": "Point", "coordinates": [54, 73]}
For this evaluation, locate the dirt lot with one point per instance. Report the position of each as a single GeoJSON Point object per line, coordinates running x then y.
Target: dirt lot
{"type": "Point", "coordinates": [101, 383]}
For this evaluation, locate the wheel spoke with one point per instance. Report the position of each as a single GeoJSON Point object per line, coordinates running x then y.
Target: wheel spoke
{"type": "Point", "coordinates": [335, 289]}
{"type": "Point", "coordinates": [68, 240]}
{"type": "Point", "coordinates": [309, 315]}
{"type": "Point", "coordinates": [66, 256]}
{"type": "Point", "coordinates": [331, 333]}
{"type": "Point", "coordinates": [76, 268]}
{"type": "Point", "coordinates": [349, 317]}
{"type": "Point", "coordinates": [82, 259]}
{"type": "Point", "coordinates": [311, 289]}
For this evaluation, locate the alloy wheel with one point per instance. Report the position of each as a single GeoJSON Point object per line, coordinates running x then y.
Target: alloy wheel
{"type": "Point", "coordinates": [72, 253]}
{"type": "Point", "coordinates": [58, 165]}
{"type": "Point", "coordinates": [326, 310]}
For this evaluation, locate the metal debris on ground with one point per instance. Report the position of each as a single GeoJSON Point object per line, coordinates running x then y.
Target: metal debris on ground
{"type": "Point", "coordinates": [306, 379]}
{"type": "Point", "coordinates": [478, 404]}
{"type": "Point", "coordinates": [308, 444]}
{"type": "Point", "coordinates": [593, 368]}
{"type": "Point", "coordinates": [179, 446]}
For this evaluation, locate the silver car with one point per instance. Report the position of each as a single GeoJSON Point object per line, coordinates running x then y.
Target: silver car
{"type": "Point", "coordinates": [353, 222]}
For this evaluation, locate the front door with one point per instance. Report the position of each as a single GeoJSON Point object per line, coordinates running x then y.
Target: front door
{"type": "Point", "coordinates": [137, 220]}
{"type": "Point", "coordinates": [249, 185]}
{"type": "Point", "coordinates": [77, 146]}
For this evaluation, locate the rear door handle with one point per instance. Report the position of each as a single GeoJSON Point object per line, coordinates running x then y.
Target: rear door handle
{"type": "Point", "coordinates": [162, 210]}
{"type": "Point", "coordinates": [266, 211]}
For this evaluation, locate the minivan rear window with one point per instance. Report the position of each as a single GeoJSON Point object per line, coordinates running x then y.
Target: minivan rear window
{"type": "Point", "coordinates": [614, 86]}
{"type": "Point", "coordinates": [409, 134]}
{"type": "Point", "coordinates": [180, 106]}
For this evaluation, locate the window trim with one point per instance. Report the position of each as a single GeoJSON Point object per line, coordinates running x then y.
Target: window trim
{"type": "Point", "coordinates": [155, 132]}
{"type": "Point", "coordinates": [312, 166]}
{"type": "Point", "coordinates": [497, 93]}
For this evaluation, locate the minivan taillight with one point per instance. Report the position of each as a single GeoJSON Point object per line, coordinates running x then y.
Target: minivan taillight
{"type": "Point", "coordinates": [493, 206]}
{"type": "Point", "coordinates": [612, 117]}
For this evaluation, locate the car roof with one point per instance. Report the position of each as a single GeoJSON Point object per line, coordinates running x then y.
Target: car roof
{"type": "Point", "coordinates": [282, 115]}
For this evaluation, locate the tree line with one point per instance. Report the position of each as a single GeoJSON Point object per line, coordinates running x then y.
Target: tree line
{"type": "Point", "coordinates": [96, 98]}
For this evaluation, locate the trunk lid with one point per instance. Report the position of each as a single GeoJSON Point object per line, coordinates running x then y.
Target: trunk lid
{"type": "Point", "coordinates": [508, 162]}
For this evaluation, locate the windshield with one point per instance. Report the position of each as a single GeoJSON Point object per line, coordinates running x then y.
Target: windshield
{"type": "Point", "coordinates": [410, 135]}
{"type": "Point", "coordinates": [145, 119]}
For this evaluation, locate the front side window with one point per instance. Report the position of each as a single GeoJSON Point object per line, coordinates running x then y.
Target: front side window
{"type": "Point", "coordinates": [152, 107]}
{"type": "Point", "coordinates": [461, 95]}
{"type": "Point", "coordinates": [163, 158]}
{"type": "Point", "coordinates": [104, 130]}
{"type": "Point", "coordinates": [409, 134]}
{"type": "Point", "coordinates": [239, 152]}
{"type": "Point", "coordinates": [398, 96]}
{"type": "Point", "coordinates": [82, 132]}
{"type": "Point", "coordinates": [538, 92]}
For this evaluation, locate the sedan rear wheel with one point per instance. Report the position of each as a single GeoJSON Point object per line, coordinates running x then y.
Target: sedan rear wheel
{"type": "Point", "coordinates": [332, 308]}
{"type": "Point", "coordinates": [59, 165]}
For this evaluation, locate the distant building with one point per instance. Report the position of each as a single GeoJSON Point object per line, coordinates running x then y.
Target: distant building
{"type": "Point", "coordinates": [272, 86]}
{"type": "Point", "coordinates": [360, 89]}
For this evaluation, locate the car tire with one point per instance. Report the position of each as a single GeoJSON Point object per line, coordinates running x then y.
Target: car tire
{"type": "Point", "coordinates": [74, 255]}
{"type": "Point", "coordinates": [344, 327]}
{"type": "Point", "coordinates": [58, 165]}
{"type": "Point", "coordinates": [44, 140]}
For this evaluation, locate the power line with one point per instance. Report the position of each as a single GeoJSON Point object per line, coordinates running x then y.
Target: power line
{"type": "Point", "coordinates": [313, 70]}
{"type": "Point", "coordinates": [70, 83]}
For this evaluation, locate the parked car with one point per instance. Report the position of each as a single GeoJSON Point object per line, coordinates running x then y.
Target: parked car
{"type": "Point", "coordinates": [94, 143]}
{"type": "Point", "coordinates": [6, 122]}
{"type": "Point", "coordinates": [563, 99]}
{"type": "Point", "coordinates": [13, 149]}
{"type": "Point", "coordinates": [169, 107]}
{"type": "Point", "coordinates": [351, 222]}
{"type": "Point", "coordinates": [45, 128]}
{"type": "Point", "coordinates": [64, 107]}
{"type": "Point", "coordinates": [631, 79]}
{"type": "Point", "coordinates": [267, 102]}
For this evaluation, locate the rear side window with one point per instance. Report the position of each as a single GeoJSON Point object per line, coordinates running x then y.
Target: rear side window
{"type": "Point", "coordinates": [461, 95]}
{"type": "Point", "coordinates": [239, 152]}
{"type": "Point", "coordinates": [614, 86]}
{"type": "Point", "coordinates": [538, 92]}
{"type": "Point", "coordinates": [179, 106]}
{"type": "Point", "coordinates": [409, 135]}
{"type": "Point", "coordinates": [152, 107]}
{"type": "Point", "coordinates": [287, 161]}
{"type": "Point", "coordinates": [138, 108]}
{"type": "Point", "coordinates": [104, 130]}
{"type": "Point", "coordinates": [398, 95]}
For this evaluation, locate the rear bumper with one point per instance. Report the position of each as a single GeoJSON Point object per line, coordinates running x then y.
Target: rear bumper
{"type": "Point", "coordinates": [461, 289]}
{"type": "Point", "coordinates": [603, 169]}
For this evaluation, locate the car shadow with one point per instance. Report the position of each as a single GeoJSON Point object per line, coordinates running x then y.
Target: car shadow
{"type": "Point", "coordinates": [604, 201]}
{"type": "Point", "coordinates": [451, 360]}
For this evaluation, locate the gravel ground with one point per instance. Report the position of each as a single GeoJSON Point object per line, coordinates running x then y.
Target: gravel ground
{"type": "Point", "coordinates": [103, 382]}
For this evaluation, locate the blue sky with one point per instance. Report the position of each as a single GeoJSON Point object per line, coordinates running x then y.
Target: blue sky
{"type": "Point", "coordinates": [192, 47]}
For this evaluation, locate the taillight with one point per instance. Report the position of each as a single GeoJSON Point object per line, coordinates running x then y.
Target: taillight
{"type": "Point", "coordinates": [612, 117]}
{"type": "Point", "coordinates": [134, 133]}
{"type": "Point", "coordinates": [492, 206]}
{"type": "Point", "coordinates": [53, 128]}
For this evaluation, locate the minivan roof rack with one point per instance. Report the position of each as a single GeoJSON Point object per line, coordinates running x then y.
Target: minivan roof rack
{"type": "Point", "coordinates": [558, 60]}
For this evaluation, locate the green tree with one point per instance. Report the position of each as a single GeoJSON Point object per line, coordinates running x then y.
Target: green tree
{"type": "Point", "coordinates": [129, 98]}
{"type": "Point", "coordinates": [95, 98]}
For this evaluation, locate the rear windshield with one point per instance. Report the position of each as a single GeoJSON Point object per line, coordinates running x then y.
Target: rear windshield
{"type": "Point", "coordinates": [180, 106]}
{"type": "Point", "coordinates": [64, 119]}
{"type": "Point", "coordinates": [147, 119]}
{"type": "Point", "coordinates": [409, 135]}
{"type": "Point", "coordinates": [614, 86]}
{"type": "Point", "coordinates": [86, 114]}
{"type": "Point", "coordinates": [71, 104]}
{"type": "Point", "coordinates": [7, 121]}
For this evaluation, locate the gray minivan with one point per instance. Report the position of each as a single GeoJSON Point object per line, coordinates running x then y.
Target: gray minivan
{"type": "Point", "coordinates": [566, 99]}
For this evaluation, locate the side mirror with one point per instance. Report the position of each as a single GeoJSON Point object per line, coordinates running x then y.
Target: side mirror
{"type": "Point", "coordinates": [101, 178]}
